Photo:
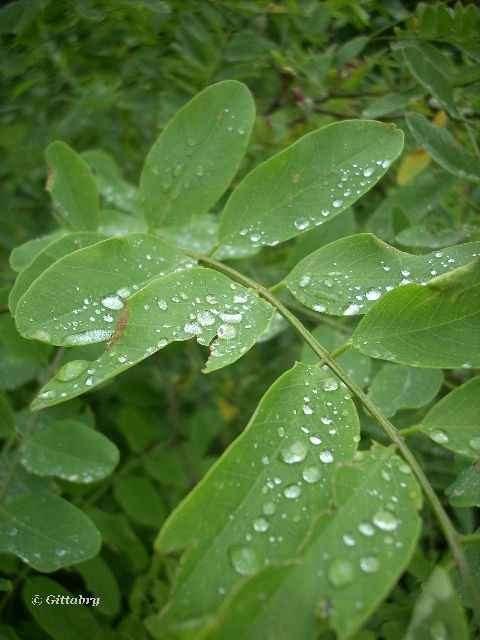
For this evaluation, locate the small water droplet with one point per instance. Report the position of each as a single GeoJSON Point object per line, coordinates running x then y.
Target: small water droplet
{"type": "Point", "coordinates": [337, 203]}
{"type": "Point", "coordinates": [326, 456]}
{"type": "Point", "coordinates": [71, 370]}
{"type": "Point", "coordinates": [315, 440]}
{"type": "Point", "coordinates": [260, 525]}
{"type": "Point", "coordinates": [244, 560]}
{"type": "Point", "coordinates": [294, 452]}
{"type": "Point", "coordinates": [330, 384]}
{"type": "Point", "coordinates": [113, 302]}
{"type": "Point", "coordinates": [366, 529]}
{"type": "Point", "coordinates": [311, 474]}
{"type": "Point", "coordinates": [226, 331]}
{"type": "Point", "coordinates": [373, 294]}
{"type": "Point", "coordinates": [369, 564]}
{"type": "Point", "coordinates": [292, 491]}
{"type": "Point", "coordinates": [439, 436]}
{"type": "Point", "coordinates": [340, 573]}
{"type": "Point", "coordinates": [385, 520]}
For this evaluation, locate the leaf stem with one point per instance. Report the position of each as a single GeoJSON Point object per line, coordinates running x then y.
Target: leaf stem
{"type": "Point", "coordinates": [451, 535]}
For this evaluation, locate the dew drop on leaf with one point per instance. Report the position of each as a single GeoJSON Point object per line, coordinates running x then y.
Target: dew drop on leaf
{"type": "Point", "coordinates": [71, 370]}
{"type": "Point", "coordinates": [311, 475]}
{"type": "Point", "coordinates": [294, 452]}
{"type": "Point", "coordinates": [385, 520]}
{"type": "Point", "coordinates": [369, 564]}
{"type": "Point", "coordinates": [292, 491]}
{"type": "Point", "coordinates": [244, 560]}
{"type": "Point", "coordinates": [340, 573]}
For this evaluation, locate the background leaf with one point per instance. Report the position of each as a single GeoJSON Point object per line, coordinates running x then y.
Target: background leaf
{"type": "Point", "coordinates": [443, 148]}
{"type": "Point", "coordinates": [72, 188]}
{"type": "Point", "coordinates": [47, 532]}
{"type": "Point", "coordinates": [69, 450]}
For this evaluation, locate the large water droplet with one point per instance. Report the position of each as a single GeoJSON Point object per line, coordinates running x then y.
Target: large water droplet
{"type": "Point", "coordinates": [292, 491]}
{"type": "Point", "coordinates": [330, 384]}
{"type": "Point", "coordinates": [226, 331]}
{"type": "Point", "coordinates": [369, 564]}
{"type": "Point", "coordinates": [439, 436]}
{"type": "Point", "coordinates": [340, 572]}
{"type": "Point", "coordinates": [294, 452]}
{"type": "Point", "coordinates": [244, 560]}
{"type": "Point", "coordinates": [326, 456]}
{"type": "Point", "coordinates": [385, 520]}
{"type": "Point", "coordinates": [311, 474]}
{"type": "Point", "coordinates": [114, 302]}
{"type": "Point", "coordinates": [71, 370]}
{"type": "Point", "coordinates": [260, 525]}
{"type": "Point", "coordinates": [366, 529]}
{"type": "Point", "coordinates": [475, 443]}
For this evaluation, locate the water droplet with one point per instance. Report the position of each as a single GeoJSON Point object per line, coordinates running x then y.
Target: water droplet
{"type": "Point", "coordinates": [348, 540]}
{"type": "Point", "coordinates": [294, 452]}
{"type": "Point", "coordinates": [330, 384]}
{"type": "Point", "coordinates": [71, 370]}
{"type": "Point", "coordinates": [260, 525]}
{"type": "Point", "coordinates": [320, 308]}
{"type": "Point", "coordinates": [162, 304]}
{"type": "Point", "coordinates": [205, 318]}
{"type": "Point", "coordinates": [373, 294]}
{"type": "Point", "coordinates": [113, 302]}
{"type": "Point", "coordinates": [368, 171]}
{"type": "Point", "coordinates": [268, 509]}
{"type": "Point", "coordinates": [439, 436]}
{"type": "Point", "coordinates": [311, 474]}
{"type": "Point", "coordinates": [304, 281]}
{"type": "Point", "coordinates": [366, 529]}
{"type": "Point", "coordinates": [307, 410]}
{"type": "Point", "coordinates": [88, 337]}
{"type": "Point", "coordinates": [475, 443]}
{"type": "Point", "coordinates": [244, 560]}
{"type": "Point", "coordinates": [340, 573]}
{"type": "Point", "coordinates": [315, 439]}
{"type": "Point", "coordinates": [352, 310]}
{"type": "Point", "coordinates": [292, 491]}
{"type": "Point", "coordinates": [337, 203]}
{"type": "Point", "coordinates": [369, 564]}
{"type": "Point", "coordinates": [226, 331]}
{"type": "Point", "coordinates": [301, 223]}
{"type": "Point", "coordinates": [385, 520]}
{"type": "Point", "coordinates": [326, 456]}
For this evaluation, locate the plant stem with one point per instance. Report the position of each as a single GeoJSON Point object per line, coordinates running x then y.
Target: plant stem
{"type": "Point", "coordinates": [449, 531]}
{"type": "Point", "coordinates": [470, 538]}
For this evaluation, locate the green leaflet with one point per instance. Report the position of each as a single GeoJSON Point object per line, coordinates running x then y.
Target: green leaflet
{"type": "Point", "coordinates": [46, 531]}
{"type": "Point", "coordinates": [397, 387]}
{"type": "Point", "coordinates": [100, 580]}
{"type": "Point", "coordinates": [428, 66]}
{"type": "Point", "coordinates": [258, 502]}
{"type": "Point", "coordinates": [22, 255]}
{"type": "Point", "coordinates": [115, 191]}
{"type": "Point", "coordinates": [70, 450]}
{"type": "Point", "coordinates": [443, 148]}
{"type": "Point", "coordinates": [437, 325]}
{"type": "Point", "coordinates": [139, 499]}
{"type": "Point", "coordinates": [196, 302]}
{"type": "Point", "coordinates": [60, 622]}
{"type": "Point", "coordinates": [454, 423]}
{"type": "Point", "coordinates": [56, 249]}
{"type": "Point", "coordinates": [349, 275]}
{"type": "Point", "coordinates": [352, 556]}
{"type": "Point", "coordinates": [438, 612]}
{"type": "Point", "coordinates": [465, 491]}
{"type": "Point", "coordinates": [308, 183]}
{"type": "Point", "coordinates": [196, 156]}
{"type": "Point", "coordinates": [357, 366]}
{"type": "Point", "coordinates": [72, 187]}
{"type": "Point", "coordinates": [79, 299]}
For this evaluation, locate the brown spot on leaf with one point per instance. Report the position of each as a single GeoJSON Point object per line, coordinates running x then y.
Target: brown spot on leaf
{"type": "Point", "coordinates": [119, 328]}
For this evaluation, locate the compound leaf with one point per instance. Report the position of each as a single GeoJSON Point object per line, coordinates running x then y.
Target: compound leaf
{"type": "Point", "coordinates": [72, 187]}
{"type": "Point", "coordinates": [349, 275]}
{"type": "Point", "coordinates": [437, 325]}
{"type": "Point", "coordinates": [308, 183]}
{"type": "Point", "coordinates": [257, 503]}
{"type": "Point", "coordinates": [196, 302]}
{"type": "Point", "coordinates": [465, 491]}
{"type": "Point", "coordinates": [454, 421]}
{"type": "Point", "coordinates": [196, 156]}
